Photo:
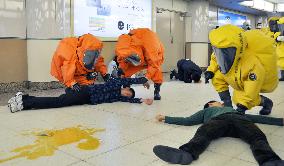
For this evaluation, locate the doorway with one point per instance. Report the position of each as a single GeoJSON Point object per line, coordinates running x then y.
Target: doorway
{"type": "Point", "coordinates": [171, 31]}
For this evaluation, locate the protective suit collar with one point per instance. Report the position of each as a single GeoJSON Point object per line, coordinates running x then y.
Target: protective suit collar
{"type": "Point", "coordinates": [85, 43]}
{"type": "Point", "coordinates": [225, 58]}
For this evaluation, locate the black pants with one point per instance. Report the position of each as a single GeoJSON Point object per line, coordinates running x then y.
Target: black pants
{"type": "Point", "coordinates": [231, 125]}
{"type": "Point", "coordinates": [69, 98]}
{"type": "Point", "coordinates": [184, 75]}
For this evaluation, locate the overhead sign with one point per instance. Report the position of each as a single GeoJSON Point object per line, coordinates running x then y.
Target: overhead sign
{"type": "Point", "coordinates": [230, 18]}
{"type": "Point", "coordinates": [111, 18]}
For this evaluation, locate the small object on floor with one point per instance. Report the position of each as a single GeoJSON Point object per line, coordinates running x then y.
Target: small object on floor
{"type": "Point", "coordinates": [274, 163]}
{"type": "Point", "coordinates": [172, 155]}
{"type": "Point", "coordinates": [15, 104]}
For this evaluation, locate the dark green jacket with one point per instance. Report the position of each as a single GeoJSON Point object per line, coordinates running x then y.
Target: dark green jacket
{"type": "Point", "coordinates": [211, 112]}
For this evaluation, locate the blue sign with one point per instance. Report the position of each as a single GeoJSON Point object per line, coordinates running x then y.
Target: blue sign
{"type": "Point", "coordinates": [230, 18]}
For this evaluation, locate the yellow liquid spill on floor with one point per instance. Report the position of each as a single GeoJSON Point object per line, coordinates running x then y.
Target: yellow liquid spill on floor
{"type": "Point", "coordinates": [49, 141]}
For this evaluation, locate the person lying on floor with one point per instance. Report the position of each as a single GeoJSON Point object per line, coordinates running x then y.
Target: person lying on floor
{"type": "Point", "coordinates": [219, 121]}
{"type": "Point", "coordinates": [108, 92]}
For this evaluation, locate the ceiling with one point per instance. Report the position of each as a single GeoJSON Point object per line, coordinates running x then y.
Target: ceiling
{"type": "Point", "coordinates": [234, 5]}
{"type": "Point", "coordinates": [276, 1]}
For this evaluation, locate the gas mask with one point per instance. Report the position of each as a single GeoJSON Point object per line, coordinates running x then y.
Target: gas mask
{"type": "Point", "coordinates": [90, 58]}
{"type": "Point", "coordinates": [225, 58]}
{"type": "Point", "coordinates": [273, 26]}
{"type": "Point", "coordinates": [134, 59]}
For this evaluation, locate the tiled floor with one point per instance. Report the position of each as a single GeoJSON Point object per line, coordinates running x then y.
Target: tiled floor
{"type": "Point", "coordinates": [131, 131]}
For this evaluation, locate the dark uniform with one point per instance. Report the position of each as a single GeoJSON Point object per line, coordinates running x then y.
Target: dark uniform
{"type": "Point", "coordinates": [188, 71]}
{"type": "Point", "coordinates": [93, 94]}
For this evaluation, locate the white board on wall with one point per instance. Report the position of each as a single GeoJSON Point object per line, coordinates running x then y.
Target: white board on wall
{"type": "Point", "coordinates": [111, 18]}
{"type": "Point", "coordinates": [12, 19]}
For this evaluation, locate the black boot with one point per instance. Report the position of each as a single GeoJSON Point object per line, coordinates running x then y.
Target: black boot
{"type": "Point", "coordinates": [274, 163]}
{"type": "Point", "coordinates": [173, 74]}
{"type": "Point", "coordinates": [226, 98]}
{"type": "Point", "coordinates": [173, 155]}
{"type": "Point", "coordinates": [282, 75]}
{"type": "Point", "coordinates": [266, 104]}
{"type": "Point", "coordinates": [157, 91]}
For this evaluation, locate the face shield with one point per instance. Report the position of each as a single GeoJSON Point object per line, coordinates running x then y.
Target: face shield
{"type": "Point", "coordinates": [281, 29]}
{"type": "Point", "coordinates": [134, 59]}
{"type": "Point", "coordinates": [273, 26]}
{"type": "Point", "coordinates": [90, 58]}
{"type": "Point", "coordinates": [225, 58]}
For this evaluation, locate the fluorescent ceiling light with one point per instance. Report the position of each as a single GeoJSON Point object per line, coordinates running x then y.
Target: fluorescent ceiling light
{"type": "Point", "coordinates": [247, 3]}
{"type": "Point", "coordinates": [280, 7]}
{"type": "Point", "coordinates": [268, 6]}
{"type": "Point", "coordinates": [258, 4]}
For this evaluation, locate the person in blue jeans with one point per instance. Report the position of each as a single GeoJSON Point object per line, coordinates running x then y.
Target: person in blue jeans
{"type": "Point", "coordinates": [219, 121]}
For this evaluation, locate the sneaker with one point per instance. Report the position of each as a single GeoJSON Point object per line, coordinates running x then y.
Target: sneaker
{"type": "Point", "coordinates": [15, 104]}
{"type": "Point", "coordinates": [12, 104]}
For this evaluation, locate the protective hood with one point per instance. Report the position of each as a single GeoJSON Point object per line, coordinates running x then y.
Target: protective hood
{"type": "Point", "coordinates": [273, 19]}
{"type": "Point", "coordinates": [228, 43]}
{"type": "Point", "coordinates": [88, 50]}
{"type": "Point", "coordinates": [125, 47]}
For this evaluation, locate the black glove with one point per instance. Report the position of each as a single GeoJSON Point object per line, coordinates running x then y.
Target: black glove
{"type": "Point", "coordinates": [92, 75]}
{"type": "Point", "coordinates": [107, 77]}
{"type": "Point", "coordinates": [76, 87]}
{"type": "Point", "coordinates": [120, 72]}
{"type": "Point", "coordinates": [241, 108]}
{"type": "Point", "coordinates": [226, 98]}
{"type": "Point", "coordinates": [208, 75]}
{"type": "Point", "coordinates": [143, 80]}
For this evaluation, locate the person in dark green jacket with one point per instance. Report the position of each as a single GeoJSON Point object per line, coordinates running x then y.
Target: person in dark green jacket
{"type": "Point", "coordinates": [219, 121]}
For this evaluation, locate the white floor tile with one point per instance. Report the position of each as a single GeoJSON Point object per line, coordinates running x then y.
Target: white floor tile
{"type": "Point", "coordinates": [121, 157]}
{"type": "Point", "coordinates": [131, 131]}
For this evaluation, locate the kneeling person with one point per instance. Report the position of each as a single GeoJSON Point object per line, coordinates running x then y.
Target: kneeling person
{"type": "Point", "coordinates": [187, 71]}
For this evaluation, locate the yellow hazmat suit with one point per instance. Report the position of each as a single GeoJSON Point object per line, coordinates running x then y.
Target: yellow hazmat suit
{"type": "Point", "coordinates": [267, 30]}
{"type": "Point", "coordinates": [253, 66]}
{"type": "Point", "coordinates": [280, 46]}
